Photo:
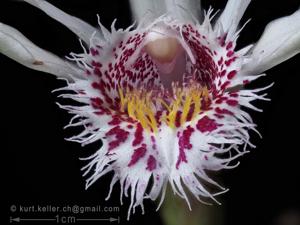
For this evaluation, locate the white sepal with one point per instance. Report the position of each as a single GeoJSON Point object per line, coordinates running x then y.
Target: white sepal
{"type": "Point", "coordinates": [279, 42]}
{"type": "Point", "coordinates": [231, 16]}
{"type": "Point", "coordinates": [142, 9]}
{"type": "Point", "coordinates": [17, 47]}
{"type": "Point", "coordinates": [184, 11]}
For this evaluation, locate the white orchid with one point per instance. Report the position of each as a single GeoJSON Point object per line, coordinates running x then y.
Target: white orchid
{"type": "Point", "coordinates": [167, 96]}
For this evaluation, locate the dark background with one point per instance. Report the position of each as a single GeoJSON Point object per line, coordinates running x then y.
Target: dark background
{"type": "Point", "coordinates": [40, 167]}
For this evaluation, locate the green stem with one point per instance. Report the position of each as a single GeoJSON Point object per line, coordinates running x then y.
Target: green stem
{"type": "Point", "coordinates": [175, 211]}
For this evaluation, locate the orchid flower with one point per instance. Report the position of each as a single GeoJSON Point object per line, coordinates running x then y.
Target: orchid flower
{"type": "Point", "coordinates": [167, 96]}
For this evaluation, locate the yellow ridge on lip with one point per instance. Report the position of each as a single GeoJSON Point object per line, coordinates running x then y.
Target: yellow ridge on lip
{"type": "Point", "coordinates": [143, 106]}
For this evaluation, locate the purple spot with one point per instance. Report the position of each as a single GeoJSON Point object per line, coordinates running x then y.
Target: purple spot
{"type": "Point", "coordinates": [231, 74]}
{"type": "Point", "coordinates": [206, 124]}
{"type": "Point", "coordinates": [232, 102]}
{"type": "Point", "coordinates": [223, 111]}
{"type": "Point", "coordinates": [138, 135]}
{"type": "Point", "coordinates": [184, 143]}
{"type": "Point", "coordinates": [151, 163]}
{"type": "Point", "coordinates": [137, 155]}
{"type": "Point", "coordinates": [120, 137]}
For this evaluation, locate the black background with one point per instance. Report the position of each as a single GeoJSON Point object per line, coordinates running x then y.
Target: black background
{"type": "Point", "coordinates": [40, 167]}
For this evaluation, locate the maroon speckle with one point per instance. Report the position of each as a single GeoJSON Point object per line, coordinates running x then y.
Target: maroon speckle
{"type": "Point", "coordinates": [205, 104]}
{"type": "Point", "coordinates": [220, 100]}
{"type": "Point", "coordinates": [184, 140]}
{"type": "Point", "coordinates": [120, 137]}
{"type": "Point", "coordinates": [96, 64]}
{"type": "Point", "coordinates": [138, 135]}
{"type": "Point", "coordinates": [230, 53]}
{"type": "Point", "coordinates": [222, 40]}
{"type": "Point", "coordinates": [184, 143]}
{"type": "Point", "coordinates": [151, 163]}
{"type": "Point", "coordinates": [95, 85]}
{"type": "Point", "coordinates": [115, 121]}
{"type": "Point", "coordinates": [226, 83]}
{"type": "Point", "coordinates": [232, 102]}
{"type": "Point", "coordinates": [191, 112]}
{"type": "Point", "coordinates": [219, 116]}
{"type": "Point", "coordinates": [222, 74]}
{"type": "Point", "coordinates": [220, 61]}
{"type": "Point", "coordinates": [229, 61]}
{"type": "Point", "coordinates": [246, 82]}
{"type": "Point", "coordinates": [177, 119]}
{"type": "Point", "coordinates": [233, 94]}
{"type": "Point", "coordinates": [223, 111]}
{"type": "Point", "coordinates": [97, 72]}
{"type": "Point", "coordinates": [231, 74]}
{"type": "Point", "coordinates": [229, 45]}
{"type": "Point", "coordinates": [96, 102]}
{"type": "Point", "coordinates": [94, 52]}
{"type": "Point", "coordinates": [153, 142]}
{"type": "Point", "coordinates": [137, 155]}
{"type": "Point", "coordinates": [206, 124]}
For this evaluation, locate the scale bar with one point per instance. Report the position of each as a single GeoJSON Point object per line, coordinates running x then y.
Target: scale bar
{"type": "Point", "coordinates": [37, 219]}
{"type": "Point", "coordinates": [111, 219]}
{"type": "Point", "coordinates": [93, 219]}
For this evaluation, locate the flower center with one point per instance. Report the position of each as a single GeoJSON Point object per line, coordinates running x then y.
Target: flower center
{"type": "Point", "coordinates": [185, 69]}
{"type": "Point", "coordinates": [153, 108]}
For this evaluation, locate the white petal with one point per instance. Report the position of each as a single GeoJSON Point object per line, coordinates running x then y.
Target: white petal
{"type": "Point", "coordinates": [232, 14]}
{"type": "Point", "coordinates": [83, 30]}
{"type": "Point", "coordinates": [279, 42]}
{"type": "Point", "coordinates": [17, 47]}
{"type": "Point", "coordinates": [182, 10]}
{"type": "Point", "coordinates": [143, 8]}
